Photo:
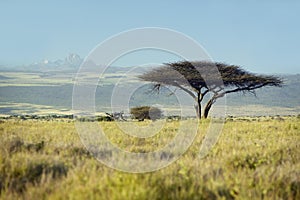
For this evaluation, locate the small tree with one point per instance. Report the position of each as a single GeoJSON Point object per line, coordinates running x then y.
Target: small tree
{"type": "Point", "coordinates": [200, 78]}
{"type": "Point", "coordinates": [146, 112]}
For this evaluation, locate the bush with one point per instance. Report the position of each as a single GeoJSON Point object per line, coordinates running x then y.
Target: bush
{"type": "Point", "coordinates": [146, 112]}
{"type": "Point", "coordinates": [104, 118]}
{"type": "Point", "coordinates": [31, 173]}
{"type": "Point", "coordinates": [15, 145]}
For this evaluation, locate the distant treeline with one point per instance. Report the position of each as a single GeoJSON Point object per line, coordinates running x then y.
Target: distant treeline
{"type": "Point", "coordinates": [72, 117]}
{"type": "Point", "coordinates": [100, 118]}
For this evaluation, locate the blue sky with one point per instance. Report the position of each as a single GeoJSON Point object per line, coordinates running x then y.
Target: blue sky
{"type": "Point", "coordinates": [262, 36]}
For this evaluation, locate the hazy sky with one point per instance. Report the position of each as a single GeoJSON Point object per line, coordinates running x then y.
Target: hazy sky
{"type": "Point", "coordinates": [263, 36]}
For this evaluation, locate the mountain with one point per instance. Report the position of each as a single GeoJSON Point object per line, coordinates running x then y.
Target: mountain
{"type": "Point", "coordinates": [70, 63]}
{"type": "Point", "coordinates": [73, 60]}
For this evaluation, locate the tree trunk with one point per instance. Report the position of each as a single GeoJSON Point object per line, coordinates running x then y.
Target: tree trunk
{"type": "Point", "coordinates": [208, 107]}
{"type": "Point", "coordinates": [198, 110]}
{"type": "Point", "coordinates": [198, 106]}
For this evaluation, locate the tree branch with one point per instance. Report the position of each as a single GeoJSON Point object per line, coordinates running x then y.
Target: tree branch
{"type": "Point", "coordinates": [203, 94]}
{"type": "Point", "coordinates": [186, 90]}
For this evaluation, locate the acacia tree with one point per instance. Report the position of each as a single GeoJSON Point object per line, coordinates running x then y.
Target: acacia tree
{"type": "Point", "coordinates": [200, 78]}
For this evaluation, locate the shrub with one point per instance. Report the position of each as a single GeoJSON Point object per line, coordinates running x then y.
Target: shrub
{"type": "Point", "coordinates": [31, 173]}
{"type": "Point", "coordinates": [104, 118]}
{"type": "Point", "coordinates": [35, 146]}
{"type": "Point", "coordinates": [15, 145]}
{"type": "Point", "coordinates": [146, 112]}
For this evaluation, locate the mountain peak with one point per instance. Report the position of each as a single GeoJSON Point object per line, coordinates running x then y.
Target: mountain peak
{"type": "Point", "coordinates": [73, 60]}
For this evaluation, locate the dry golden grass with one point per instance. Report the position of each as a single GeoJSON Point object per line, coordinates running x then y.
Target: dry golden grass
{"type": "Point", "coordinates": [253, 159]}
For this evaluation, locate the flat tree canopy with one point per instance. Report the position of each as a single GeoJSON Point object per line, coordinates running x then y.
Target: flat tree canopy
{"type": "Point", "coordinates": [201, 77]}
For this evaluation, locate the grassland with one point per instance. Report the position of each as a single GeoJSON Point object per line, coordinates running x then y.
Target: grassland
{"type": "Point", "coordinates": [255, 158]}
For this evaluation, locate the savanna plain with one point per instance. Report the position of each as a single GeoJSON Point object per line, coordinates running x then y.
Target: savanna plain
{"type": "Point", "coordinates": [254, 158]}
